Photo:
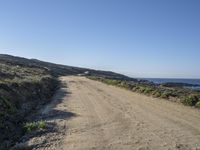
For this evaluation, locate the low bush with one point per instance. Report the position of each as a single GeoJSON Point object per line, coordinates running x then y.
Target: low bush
{"type": "Point", "coordinates": [197, 105]}
{"type": "Point", "coordinates": [190, 100]}
{"type": "Point", "coordinates": [112, 82]}
{"type": "Point", "coordinates": [156, 93]}
{"type": "Point", "coordinates": [148, 90]}
{"type": "Point", "coordinates": [41, 124]}
{"type": "Point", "coordinates": [126, 85]}
{"type": "Point", "coordinates": [135, 88]}
{"type": "Point", "coordinates": [141, 89]}
{"type": "Point", "coordinates": [167, 94]}
{"type": "Point", "coordinates": [164, 95]}
{"type": "Point", "coordinates": [31, 126]}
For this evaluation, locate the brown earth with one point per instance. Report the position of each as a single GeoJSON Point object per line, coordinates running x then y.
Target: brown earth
{"type": "Point", "coordinates": [89, 115]}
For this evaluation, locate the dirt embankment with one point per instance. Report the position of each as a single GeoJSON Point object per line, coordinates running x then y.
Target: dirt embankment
{"type": "Point", "coordinates": [91, 115]}
{"type": "Point", "coordinates": [17, 102]}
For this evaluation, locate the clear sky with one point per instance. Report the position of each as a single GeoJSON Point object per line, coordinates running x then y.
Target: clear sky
{"type": "Point", "coordinates": [141, 38]}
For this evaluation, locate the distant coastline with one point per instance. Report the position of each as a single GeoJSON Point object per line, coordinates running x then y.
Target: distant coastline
{"type": "Point", "coordinates": [195, 83]}
{"type": "Point", "coordinates": [174, 80]}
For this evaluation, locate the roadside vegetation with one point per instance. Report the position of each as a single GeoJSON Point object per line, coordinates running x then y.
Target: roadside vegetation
{"type": "Point", "coordinates": [178, 94]}
{"type": "Point", "coordinates": [31, 126]}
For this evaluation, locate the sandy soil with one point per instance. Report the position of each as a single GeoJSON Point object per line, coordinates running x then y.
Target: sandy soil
{"type": "Point", "coordinates": [90, 115]}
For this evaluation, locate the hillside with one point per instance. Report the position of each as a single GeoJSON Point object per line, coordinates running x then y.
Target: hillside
{"type": "Point", "coordinates": [57, 69]}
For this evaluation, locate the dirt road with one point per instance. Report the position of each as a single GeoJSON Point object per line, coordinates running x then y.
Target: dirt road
{"type": "Point", "coordinates": [96, 116]}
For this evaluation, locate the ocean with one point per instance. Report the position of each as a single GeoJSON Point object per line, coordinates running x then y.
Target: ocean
{"type": "Point", "coordinates": [165, 80]}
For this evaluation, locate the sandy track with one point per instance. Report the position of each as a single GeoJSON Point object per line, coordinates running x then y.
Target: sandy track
{"type": "Point", "coordinates": [111, 118]}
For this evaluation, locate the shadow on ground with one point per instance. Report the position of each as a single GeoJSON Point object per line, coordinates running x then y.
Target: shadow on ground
{"type": "Point", "coordinates": [51, 113]}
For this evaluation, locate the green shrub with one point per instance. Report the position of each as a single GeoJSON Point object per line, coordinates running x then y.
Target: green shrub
{"type": "Point", "coordinates": [197, 105]}
{"type": "Point", "coordinates": [41, 124]}
{"type": "Point", "coordinates": [125, 85]}
{"type": "Point", "coordinates": [156, 93]}
{"type": "Point", "coordinates": [190, 100]}
{"type": "Point", "coordinates": [112, 82]}
{"type": "Point", "coordinates": [166, 94]}
{"type": "Point", "coordinates": [148, 90]}
{"type": "Point", "coordinates": [135, 88]}
{"type": "Point", "coordinates": [31, 126]}
{"type": "Point", "coordinates": [141, 89]}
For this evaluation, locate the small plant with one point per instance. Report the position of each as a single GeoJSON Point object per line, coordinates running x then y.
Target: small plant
{"type": "Point", "coordinates": [166, 94]}
{"type": "Point", "coordinates": [156, 93]}
{"type": "Point", "coordinates": [148, 90]}
{"type": "Point", "coordinates": [141, 89]}
{"type": "Point", "coordinates": [41, 124]}
{"type": "Point", "coordinates": [134, 89]}
{"type": "Point", "coordinates": [190, 100]}
{"type": "Point", "coordinates": [197, 105]}
{"type": "Point", "coordinates": [112, 82]}
{"type": "Point", "coordinates": [31, 126]}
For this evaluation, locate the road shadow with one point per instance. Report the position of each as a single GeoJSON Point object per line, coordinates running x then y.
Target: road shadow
{"type": "Point", "coordinates": [51, 113]}
{"type": "Point", "coordinates": [53, 110]}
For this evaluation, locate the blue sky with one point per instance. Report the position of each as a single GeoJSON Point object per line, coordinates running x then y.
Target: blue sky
{"type": "Point", "coordinates": [140, 38]}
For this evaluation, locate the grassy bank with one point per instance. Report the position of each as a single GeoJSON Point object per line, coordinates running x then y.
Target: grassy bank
{"type": "Point", "coordinates": [178, 94]}
{"type": "Point", "coordinates": [22, 90]}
